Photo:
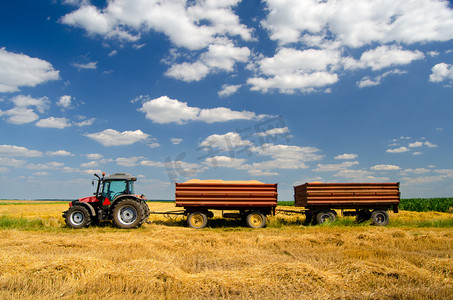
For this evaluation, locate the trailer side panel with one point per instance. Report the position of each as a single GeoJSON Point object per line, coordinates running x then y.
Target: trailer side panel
{"type": "Point", "coordinates": [225, 196]}
{"type": "Point", "coordinates": [347, 195]}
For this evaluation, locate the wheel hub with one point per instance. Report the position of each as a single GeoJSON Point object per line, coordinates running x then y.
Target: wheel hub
{"type": "Point", "coordinates": [127, 215]}
{"type": "Point", "coordinates": [77, 218]}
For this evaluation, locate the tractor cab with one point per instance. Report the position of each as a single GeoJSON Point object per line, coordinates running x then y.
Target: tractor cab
{"type": "Point", "coordinates": [110, 187]}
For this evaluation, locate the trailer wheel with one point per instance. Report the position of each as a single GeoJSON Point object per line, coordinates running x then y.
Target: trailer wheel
{"type": "Point", "coordinates": [128, 213]}
{"type": "Point", "coordinates": [77, 217]}
{"type": "Point", "coordinates": [255, 219]}
{"type": "Point", "coordinates": [197, 220]}
{"type": "Point", "coordinates": [380, 218]}
{"type": "Point", "coordinates": [325, 216]}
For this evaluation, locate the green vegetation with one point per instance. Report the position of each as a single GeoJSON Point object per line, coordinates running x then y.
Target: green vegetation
{"type": "Point", "coordinates": [285, 203]}
{"type": "Point", "coordinates": [20, 223]}
{"type": "Point", "coordinates": [427, 204]}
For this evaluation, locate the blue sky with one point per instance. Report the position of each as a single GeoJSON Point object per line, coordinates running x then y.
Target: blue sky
{"type": "Point", "coordinates": [283, 92]}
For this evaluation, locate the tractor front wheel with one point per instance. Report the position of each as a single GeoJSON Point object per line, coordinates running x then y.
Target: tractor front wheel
{"type": "Point", "coordinates": [77, 217]}
{"type": "Point", "coordinates": [129, 213]}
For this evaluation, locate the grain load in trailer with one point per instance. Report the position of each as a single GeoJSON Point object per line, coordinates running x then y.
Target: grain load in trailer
{"type": "Point", "coordinates": [365, 200]}
{"type": "Point", "coordinates": [251, 201]}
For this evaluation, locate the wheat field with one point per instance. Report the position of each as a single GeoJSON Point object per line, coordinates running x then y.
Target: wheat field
{"type": "Point", "coordinates": [166, 260]}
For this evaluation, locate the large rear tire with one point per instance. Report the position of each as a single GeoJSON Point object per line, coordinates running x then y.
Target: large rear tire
{"type": "Point", "coordinates": [129, 213]}
{"type": "Point", "coordinates": [255, 219]}
{"type": "Point", "coordinates": [77, 217]}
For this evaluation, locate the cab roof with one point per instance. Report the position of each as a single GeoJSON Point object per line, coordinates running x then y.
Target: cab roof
{"type": "Point", "coordinates": [120, 176]}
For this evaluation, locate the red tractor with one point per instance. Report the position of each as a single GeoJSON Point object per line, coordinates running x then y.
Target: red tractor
{"type": "Point", "coordinates": [114, 200]}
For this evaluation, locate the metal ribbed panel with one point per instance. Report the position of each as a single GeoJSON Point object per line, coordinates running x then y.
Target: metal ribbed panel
{"type": "Point", "coordinates": [216, 195]}
{"type": "Point", "coordinates": [346, 195]}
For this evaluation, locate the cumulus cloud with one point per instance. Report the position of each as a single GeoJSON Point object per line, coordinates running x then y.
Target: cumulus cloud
{"type": "Point", "coordinates": [383, 57]}
{"type": "Point", "coordinates": [335, 167]}
{"type": "Point", "coordinates": [17, 70]}
{"type": "Point", "coordinates": [398, 150]}
{"type": "Point", "coordinates": [59, 153]}
{"type": "Point", "coordinates": [13, 151]}
{"type": "Point", "coordinates": [86, 66]}
{"type": "Point", "coordinates": [368, 81]}
{"type": "Point", "coordinates": [112, 137]}
{"type": "Point", "coordinates": [52, 122]}
{"type": "Point", "coordinates": [346, 156]}
{"type": "Point", "coordinates": [164, 110]}
{"type": "Point", "coordinates": [228, 90]}
{"type": "Point", "coordinates": [225, 142]}
{"type": "Point", "coordinates": [181, 22]}
{"type": "Point", "coordinates": [64, 102]}
{"type": "Point", "coordinates": [378, 22]}
{"type": "Point", "coordinates": [24, 109]}
{"type": "Point", "coordinates": [441, 72]}
{"type": "Point", "coordinates": [290, 69]}
{"type": "Point", "coordinates": [385, 168]}
{"type": "Point", "coordinates": [176, 141]}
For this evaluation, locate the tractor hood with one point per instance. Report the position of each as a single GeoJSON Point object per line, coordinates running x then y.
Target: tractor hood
{"type": "Point", "coordinates": [89, 199]}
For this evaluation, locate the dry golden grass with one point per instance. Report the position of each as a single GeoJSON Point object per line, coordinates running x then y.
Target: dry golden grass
{"type": "Point", "coordinates": [166, 260]}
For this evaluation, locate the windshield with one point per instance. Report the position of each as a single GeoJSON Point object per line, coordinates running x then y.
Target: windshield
{"type": "Point", "coordinates": [111, 189]}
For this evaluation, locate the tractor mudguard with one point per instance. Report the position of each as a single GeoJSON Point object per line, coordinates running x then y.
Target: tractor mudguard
{"type": "Point", "coordinates": [86, 205]}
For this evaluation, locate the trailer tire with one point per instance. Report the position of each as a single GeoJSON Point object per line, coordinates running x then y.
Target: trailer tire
{"type": "Point", "coordinates": [77, 217]}
{"type": "Point", "coordinates": [197, 220]}
{"type": "Point", "coordinates": [255, 219]}
{"type": "Point", "coordinates": [128, 213]}
{"type": "Point", "coordinates": [325, 216]}
{"type": "Point", "coordinates": [380, 218]}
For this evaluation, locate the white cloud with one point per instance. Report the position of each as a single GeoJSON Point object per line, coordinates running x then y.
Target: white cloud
{"type": "Point", "coordinates": [128, 161]}
{"type": "Point", "coordinates": [225, 142]}
{"type": "Point", "coordinates": [378, 21]}
{"type": "Point", "coordinates": [176, 141]}
{"type": "Point", "coordinates": [225, 161]}
{"type": "Point", "coordinates": [415, 144]}
{"type": "Point", "coordinates": [41, 104]}
{"type": "Point", "coordinates": [46, 166]}
{"type": "Point", "coordinates": [335, 167]}
{"type": "Point", "coordinates": [257, 172]}
{"type": "Point", "coordinates": [417, 171]}
{"type": "Point", "coordinates": [430, 145]}
{"type": "Point", "coordinates": [86, 66]}
{"type": "Point", "coordinates": [367, 81]}
{"type": "Point", "coordinates": [59, 153]}
{"type": "Point", "coordinates": [52, 122]}
{"type": "Point", "coordinates": [164, 110]}
{"type": "Point", "coordinates": [346, 156]}
{"type": "Point", "coordinates": [64, 101]}
{"type": "Point", "coordinates": [22, 113]}
{"type": "Point", "coordinates": [360, 176]}
{"type": "Point", "coordinates": [87, 122]}
{"type": "Point", "coordinates": [290, 69]}
{"type": "Point", "coordinates": [94, 156]}
{"type": "Point", "coordinates": [188, 71]}
{"type": "Point", "coordinates": [228, 90]}
{"type": "Point", "coordinates": [150, 163]}
{"type": "Point", "coordinates": [127, 20]}
{"type": "Point", "coordinates": [11, 150]}
{"type": "Point", "coordinates": [17, 70]}
{"type": "Point", "coordinates": [284, 131]}
{"type": "Point", "coordinates": [111, 137]}
{"type": "Point", "coordinates": [441, 72]}
{"type": "Point", "coordinates": [385, 168]}
{"type": "Point", "coordinates": [398, 150]}
{"type": "Point", "coordinates": [383, 57]}
{"type": "Point", "coordinates": [11, 162]}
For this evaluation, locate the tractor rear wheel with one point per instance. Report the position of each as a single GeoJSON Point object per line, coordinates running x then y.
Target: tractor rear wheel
{"type": "Point", "coordinates": [128, 213]}
{"type": "Point", "coordinates": [77, 217]}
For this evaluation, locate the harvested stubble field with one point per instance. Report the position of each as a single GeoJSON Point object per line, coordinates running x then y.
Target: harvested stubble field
{"type": "Point", "coordinates": [410, 258]}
